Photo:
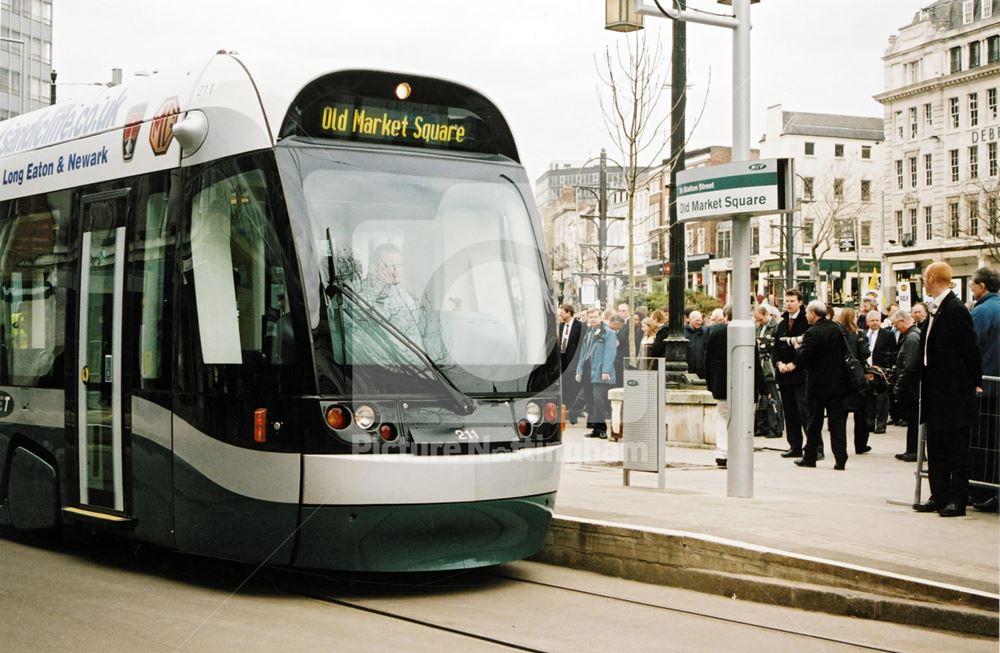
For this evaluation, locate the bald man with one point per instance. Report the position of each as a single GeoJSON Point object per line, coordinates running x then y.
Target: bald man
{"type": "Point", "coordinates": [951, 375]}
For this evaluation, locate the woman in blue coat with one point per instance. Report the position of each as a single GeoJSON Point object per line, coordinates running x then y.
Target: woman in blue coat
{"type": "Point", "coordinates": [596, 370]}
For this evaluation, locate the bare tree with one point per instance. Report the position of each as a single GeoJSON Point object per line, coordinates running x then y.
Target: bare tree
{"type": "Point", "coordinates": [636, 121]}
{"type": "Point", "coordinates": [836, 211]}
{"type": "Point", "coordinates": [983, 226]}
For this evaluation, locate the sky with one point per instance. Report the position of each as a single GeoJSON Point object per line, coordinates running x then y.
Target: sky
{"type": "Point", "coordinates": [536, 59]}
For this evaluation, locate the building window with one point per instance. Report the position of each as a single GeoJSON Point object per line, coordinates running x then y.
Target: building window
{"type": "Point", "coordinates": [955, 55]}
{"type": "Point", "coordinates": [928, 115]}
{"type": "Point", "coordinates": [899, 226]}
{"type": "Point", "coordinates": [913, 224]}
{"type": "Point", "coordinates": [866, 234]}
{"type": "Point", "coordinates": [755, 239]}
{"type": "Point", "coordinates": [954, 219]}
{"type": "Point", "coordinates": [991, 103]}
{"type": "Point", "coordinates": [807, 230]}
{"type": "Point", "coordinates": [987, 9]}
{"type": "Point", "coordinates": [723, 243]}
{"type": "Point", "coordinates": [913, 122]}
{"type": "Point", "coordinates": [807, 188]}
{"type": "Point", "coordinates": [953, 104]}
{"type": "Point", "coordinates": [810, 148]}
{"type": "Point", "coordinates": [838, 188]}
{"type": "Point", "coordinates": [992, 214]}
{"type": "Point", "coordinates": [973, 162]}
{"type": "Point", "coordinates": [838, 150]}
{"type": "Point", "coordinates": [866, 190]}
{"type": "Point", "coordinates": [899, 174]}
{"type": "Point", "coordinates": [974, 54]}
{"type": "Point", "coordinates": [991, 157]}
{"type": "Point", "coordinates": [973, 203]}
{"type": "Point", "coordinates": [968, 11]}
{"type": "Point", "coordinates": [993, 49]}
{"type": "Point", "coordinates": [973, 109]}
{"type": "Point", "coordinates": [928, 174]}
{"type": "Point", "coordinates": [899, 124]}
{"type": "Point", "coordinates": [913, 172]}
{"type": "Point", "coordinates": [928, 223]}
{"type": "Point", "coordinates": [953, 155]}
{"type": "Point", "coordinates": [866, 151]}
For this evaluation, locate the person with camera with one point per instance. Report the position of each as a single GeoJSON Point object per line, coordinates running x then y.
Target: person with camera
{"type": "Point", "coordinates": [792, 384]}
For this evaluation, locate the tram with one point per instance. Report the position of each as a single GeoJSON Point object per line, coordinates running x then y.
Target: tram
{"type": "Point", "coordinates": [273, 315]}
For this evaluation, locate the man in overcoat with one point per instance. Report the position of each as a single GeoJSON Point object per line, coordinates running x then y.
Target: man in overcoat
{"type": "Point", "coordinates": [597, 364]}
{"type": "Point", "coordinates": [822, 357]}
{"type": "Point", "coordinates": [792, 385]}
{"type": "Point", "coordinates": [952, 374]}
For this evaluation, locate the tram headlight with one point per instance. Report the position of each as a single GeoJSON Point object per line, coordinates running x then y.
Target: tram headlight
{"type": "Point", "coordinates": [403, 90]}
{"type": "Point", "coordinates": [365, 417]}
{"type": "Point", "coordinates": [533, 412]}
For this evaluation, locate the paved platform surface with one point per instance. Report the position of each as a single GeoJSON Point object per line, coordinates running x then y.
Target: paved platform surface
{"type": "Point", "coordinates": [859, 516]}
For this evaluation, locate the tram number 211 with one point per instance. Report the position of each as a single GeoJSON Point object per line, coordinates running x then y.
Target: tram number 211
{"type": "Point", "coordinates": [466, 434]}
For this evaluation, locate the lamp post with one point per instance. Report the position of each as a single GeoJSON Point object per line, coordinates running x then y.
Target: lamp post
{"type": "Point", "coordinates": [740, 334]}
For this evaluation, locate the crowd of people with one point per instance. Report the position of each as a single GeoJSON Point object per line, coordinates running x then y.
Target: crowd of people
{"type": "Point", "coordinates": [815, 366]}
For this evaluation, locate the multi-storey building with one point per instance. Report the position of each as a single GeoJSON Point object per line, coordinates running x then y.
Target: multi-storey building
{"type": "Point", "coordinates": [942, 73]}
{"type": "Point", "coordinates": [25, 55]}
{"type": "Point", "coordinates": [838, 205]}
{"type": "Point", "coordinates": [566, 195]}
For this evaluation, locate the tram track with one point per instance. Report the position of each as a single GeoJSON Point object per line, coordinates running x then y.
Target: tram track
{"type": "Point", "coordinates": [475, 579]}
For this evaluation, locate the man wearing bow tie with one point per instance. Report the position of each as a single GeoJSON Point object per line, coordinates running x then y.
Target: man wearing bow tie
{"type": "Point", "coordinates": [792, 385]}
{"type": "Point", "coordinates": [952, 375]}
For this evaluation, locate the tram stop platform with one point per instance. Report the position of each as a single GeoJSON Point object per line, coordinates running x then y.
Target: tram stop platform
{"type": "Point", "coordinates": [844, 542]}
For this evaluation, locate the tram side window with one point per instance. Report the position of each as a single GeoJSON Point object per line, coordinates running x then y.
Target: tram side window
{"type": "Point", "coordinates": [35, 271]}
{"type": "Point", "coordinates": [239, 271]}
{"type": "Point", "coordinates": [150, 260]}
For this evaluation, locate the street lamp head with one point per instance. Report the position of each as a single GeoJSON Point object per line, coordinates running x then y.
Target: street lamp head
{"type": "Point", "coordinates": [621, 16]}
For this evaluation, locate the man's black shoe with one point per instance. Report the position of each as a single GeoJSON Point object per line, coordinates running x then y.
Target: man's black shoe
{"type": "Point", "coordinates": [602, 435]}
{"type": "Point", "coordinates": [721, 462]}
{"type": "Point", "coordinates": [907, 457]}
{"type": "Point", "coordinates": [820, 456]}
{"type": "Point", "coordinates": [792, 454]}
{"type": "Point", "coordinates": [805, 463]}
{"type": "Point", "coordinates": [840, 466]}
{"type": "Point", "coordinates": [879, 431]}
{"type": "Point", "coordinates": [592, 434]}
{"type": "Point", "coordinates": [952, 510]}
{"type": "Point", "coordinates": [930, 506]}
{"type": "Point", "coordinates": [990, 505]}
{"type": "Point", "coordinates": [901, 422]}
{"type": "Point", "coordinates": [862, 450]}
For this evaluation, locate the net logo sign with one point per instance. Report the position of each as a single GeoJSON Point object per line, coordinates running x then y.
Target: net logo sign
{"type": "Point", "coordinates": [161, 131]}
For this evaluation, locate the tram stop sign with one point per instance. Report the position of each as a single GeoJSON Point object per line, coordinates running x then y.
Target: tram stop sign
{"type": "Point", "coordinates": [741, 189]}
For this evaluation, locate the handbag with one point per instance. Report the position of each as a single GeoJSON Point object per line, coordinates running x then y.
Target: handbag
{"type": "Point", "coordinates": [854, 372]}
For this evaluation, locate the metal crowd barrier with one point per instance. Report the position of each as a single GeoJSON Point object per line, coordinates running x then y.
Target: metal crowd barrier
{"type": "Point", "coordinates": [983, 442]}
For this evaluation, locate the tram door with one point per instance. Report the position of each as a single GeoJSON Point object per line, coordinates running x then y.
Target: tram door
{"type": "Point", "coordinates": [99, 400]}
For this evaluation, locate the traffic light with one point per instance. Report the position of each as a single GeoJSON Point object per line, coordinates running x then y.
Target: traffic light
{"type": "Point", "coordinates": [666, 269]}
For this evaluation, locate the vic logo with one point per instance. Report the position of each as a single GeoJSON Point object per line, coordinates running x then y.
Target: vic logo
{"type": "Point", "coordinates": [757, 166]}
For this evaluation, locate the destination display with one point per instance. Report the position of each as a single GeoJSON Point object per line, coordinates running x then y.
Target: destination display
{"type": "Point", "coordinates": [743, 189]}
{"type": "Point", "coordinates": [392, 122]}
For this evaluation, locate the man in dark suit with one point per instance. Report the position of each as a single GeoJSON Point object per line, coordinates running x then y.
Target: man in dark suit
{"type": "Point", "coordinates": [821, 356]}
{"type": "Point", "coordinates": [792, 385]}
{"type": "Point", "coordinates": [882, 345]}
{"type": "Point", "coordinates": [615, 324]}
{"type": "Point", "coordinates": [952, 376]}
{"type": "Point", "coordinates": [569, 342]}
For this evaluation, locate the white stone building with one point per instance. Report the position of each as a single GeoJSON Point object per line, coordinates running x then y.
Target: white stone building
{"type": "Point", "coordinates": [942, 72]}
{"type": "Point", "coordinates": [838, 197]}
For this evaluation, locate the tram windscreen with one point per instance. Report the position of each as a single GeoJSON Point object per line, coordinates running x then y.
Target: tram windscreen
{"type": "Point", "coordinates": [441, 250]}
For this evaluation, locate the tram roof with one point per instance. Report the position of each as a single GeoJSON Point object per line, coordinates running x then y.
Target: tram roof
{"type": "Point", "coordinates": [244, 98]}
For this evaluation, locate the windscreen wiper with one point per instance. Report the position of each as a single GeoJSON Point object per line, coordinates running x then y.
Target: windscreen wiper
{"type": "Point", "coordinates": [463, 405]}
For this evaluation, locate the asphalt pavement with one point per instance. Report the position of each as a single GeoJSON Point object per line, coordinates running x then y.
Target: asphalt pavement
{"type": "Point", "coordinates": [859, 516]}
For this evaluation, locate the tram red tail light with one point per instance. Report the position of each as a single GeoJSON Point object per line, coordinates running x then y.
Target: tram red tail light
{"type": "Point", "coordinates": [551, 411]}
{"type": "Point", "coordinates": [523, 428]}
{"type": "Point", "coordinates": [260, 425]}
{"type": "Point", "coordinates": [387, 432]}
{"type": "Point", "coordinates": [337, 417]}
